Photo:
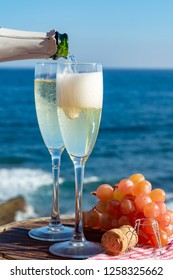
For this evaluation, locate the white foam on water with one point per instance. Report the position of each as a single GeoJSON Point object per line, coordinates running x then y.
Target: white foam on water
{"type": "Point", "coordinates": [22, 181]}
{"type": "Point", "coordinates": [169, 201]}
{"type": "Point", "coordinates": [27, 213]}
{"type": "Point", "coordinates": [170, 205]}
{"type": "Point", "coordinates": [91, 179]}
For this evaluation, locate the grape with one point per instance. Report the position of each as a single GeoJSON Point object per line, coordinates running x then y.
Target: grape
{"type": "Point", "coordinates": [163, 239]}
{"type": "Point", "coordinates": [150, 226]}
{"type": "Point", "coordinates": [151, 210]}
{"type": "Point", "coordinates": [83, 218]}
{"type": "Point", "coordinates": [158, 195]}
{"type": "Point", "coordinates": [164, 219]}
{"type": "Point", "coordinates": [129, 196]}
{"type": "Point", "coordinates": [113, 208]}
{"type": "Point", "coordinates": [124, 220]}
{"type": "Point", "coordinates": [162, 207]}
{"type": "Point", "coordinates": [136, 178]}
{"type": "Point", "coordinates": [104, 192]}
{"type": "Point", "coordinates": [101, 206]}
{"type": "Point", "coordinates": [170, 212]}
{"type": "Point", "coordinates": [127, 206]}
{"type": "Point", "coordinates": [168, 230]}
{"type": "Point", "coordinates": [143, 238]}
{"type": "Point", "coordinates": [143, 187]}
{"type": "Point", "coordinates": [135, 216]}
{"type": "Point", "coordinates": [114, 223]}
{"type": "Point", "coordinates": [92, 219]}
{"type": "Point", "coordinates": [141, 201]}
{"type": "Point", "coordinates": [117, 194]}
{"type": "Point", "coordinates": [125, 186]}
{"type": "Point", "coordinates": [106, 221]}
{"type": "Point", "coordinates": [128, 201]}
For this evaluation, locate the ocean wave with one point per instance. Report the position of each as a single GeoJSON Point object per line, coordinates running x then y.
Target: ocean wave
{"type": "Point", "coordinates": [22, 181]}
{"type": "Point", "coordinates": [91, 179]}
{"type": "Point", "coordinates": [169, 200]}
{"type": "Point", "coordinates": [28, 213]}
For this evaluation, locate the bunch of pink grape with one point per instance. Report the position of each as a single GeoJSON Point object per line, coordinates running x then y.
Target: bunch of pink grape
{"type": "Point", "coordinates": [131, 199]}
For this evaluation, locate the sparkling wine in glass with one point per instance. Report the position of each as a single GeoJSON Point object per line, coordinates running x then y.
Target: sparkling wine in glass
{"type": "Point", "coordinates": [80, 95]}
{"type": "Point", "coordinates": [46, 109]}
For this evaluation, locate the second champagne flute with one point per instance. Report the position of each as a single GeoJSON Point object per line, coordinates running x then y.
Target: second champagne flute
{"type": "Point", "coordinates": [46, 109]}
{"type": "Point", "coordinates": [80, 95]}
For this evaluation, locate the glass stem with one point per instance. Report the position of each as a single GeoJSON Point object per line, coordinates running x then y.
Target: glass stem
{"type": "Point", "coordinates": [79, 167]}
{"type": "Point", "coordinates": [56, 161]}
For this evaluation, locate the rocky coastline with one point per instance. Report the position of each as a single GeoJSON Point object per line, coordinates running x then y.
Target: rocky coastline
{"type": "Point", "coordinates": [9, 208]}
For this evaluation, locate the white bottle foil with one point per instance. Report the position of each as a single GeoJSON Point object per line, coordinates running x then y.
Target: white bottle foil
{"type": "Point", "coordinates": [20, 45]}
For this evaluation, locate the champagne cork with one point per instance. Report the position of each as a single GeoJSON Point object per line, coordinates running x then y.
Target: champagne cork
{"type": "Point", "coordinates": [118, 240]}
{"type": "Point", "coordinates": [131, 235]}
{"type": "Point", "coordinates": [114, 242]}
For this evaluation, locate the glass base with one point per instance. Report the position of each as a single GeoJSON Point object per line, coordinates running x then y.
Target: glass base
{"type": "Point", "coordinates": [76, 250]}
{"type": "Point", "coordinates": [61, 233]}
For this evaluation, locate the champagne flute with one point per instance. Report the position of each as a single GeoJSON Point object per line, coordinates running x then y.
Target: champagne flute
{"type": "Point", "coordinates": [46, 109]}
{"type": "Point", "coordinates": [80, 94]}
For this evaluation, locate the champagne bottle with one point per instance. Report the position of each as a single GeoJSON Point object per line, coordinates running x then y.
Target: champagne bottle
{"type": "Point", "coordinates": [19, 45]}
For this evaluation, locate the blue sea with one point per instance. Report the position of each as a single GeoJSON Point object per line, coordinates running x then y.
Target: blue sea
{"type": "Point", "coordinates": [136, 136]}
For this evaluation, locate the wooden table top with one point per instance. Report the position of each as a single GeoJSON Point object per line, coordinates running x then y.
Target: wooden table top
{"type": "Point", "coordinates": [15, 243]}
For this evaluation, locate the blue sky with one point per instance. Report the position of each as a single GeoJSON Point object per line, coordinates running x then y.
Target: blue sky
{"type": "Point", "coordinates": [116, 33]}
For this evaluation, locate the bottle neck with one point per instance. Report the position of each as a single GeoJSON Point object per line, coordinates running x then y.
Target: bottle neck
{"type": "Point", "coordinates": [62, 46]}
